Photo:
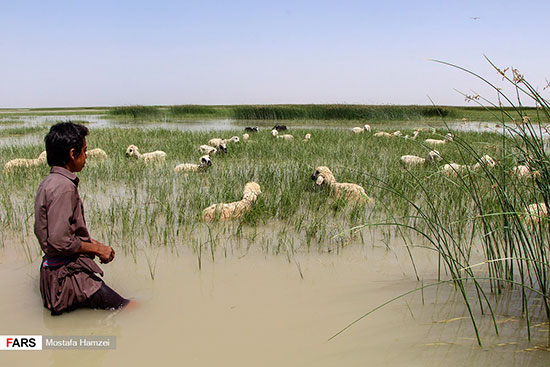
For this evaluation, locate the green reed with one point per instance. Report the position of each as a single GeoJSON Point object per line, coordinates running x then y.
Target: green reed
{"type": "Point", "coordinates": [490, 207]}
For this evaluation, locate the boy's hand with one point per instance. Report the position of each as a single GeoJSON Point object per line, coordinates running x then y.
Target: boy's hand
{"type": "Point", "coordinates": [106, 253]}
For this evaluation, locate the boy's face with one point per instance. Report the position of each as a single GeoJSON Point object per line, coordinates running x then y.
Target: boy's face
{"type": "Point", "coordinates": [77, 163]}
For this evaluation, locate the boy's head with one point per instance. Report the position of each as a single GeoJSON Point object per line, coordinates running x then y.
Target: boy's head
{"type": "Point", "coordinates": [65, 142]}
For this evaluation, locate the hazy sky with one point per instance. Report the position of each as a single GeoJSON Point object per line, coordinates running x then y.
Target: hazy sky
{"type": "Point", "coordinates": [104, 53]}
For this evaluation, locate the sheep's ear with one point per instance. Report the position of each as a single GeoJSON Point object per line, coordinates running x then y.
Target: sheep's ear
{"type": "Point", "coordinates": [320, 180]}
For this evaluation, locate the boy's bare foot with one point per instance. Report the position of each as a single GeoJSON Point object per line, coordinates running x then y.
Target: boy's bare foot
{"type": "Point", "coordinates": [132, 305]}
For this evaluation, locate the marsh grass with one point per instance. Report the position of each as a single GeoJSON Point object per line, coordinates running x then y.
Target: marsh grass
{"type": "Point", "coordinates": [308, 114]}
{"type": "Point", "coordinates": [138, 208]}
{"type": "Point", "coordinates": [490, 208]}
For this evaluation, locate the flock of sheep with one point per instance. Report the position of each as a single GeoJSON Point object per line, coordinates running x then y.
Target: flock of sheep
{"type": "Point", "coordinates": [322, 175]}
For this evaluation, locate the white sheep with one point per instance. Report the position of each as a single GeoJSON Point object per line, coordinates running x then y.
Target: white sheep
{"type": "Point", "coordinates": [414, 136]}
{"type": "Point", "coordinates": [384, 134]}
{"type": "Point", "coordinates": [219, 144]}
{"type": "Point", "coordinates": [25, 163]}
{"type": "Point", "coordinates": [233, 139]}
{"type": "Point", "coordinates": [359, 130]}
{"type": "Point", "coordinates": [205, 162]}
{"type": "Point", "coordinates": [207, 149]}
{"type": "Point", "coordinates": [397, 133]}
{"type": "Point", "coordinates": [275, 133]}
{"type": "Point", "coordinates": [97, 154]}
{"type": "Point", "coordinates": [349, 191]}
{"type": "Point", "coordinates": [157, 156]}
{"type": "Point", "coordinates": [486, 161]}
{"type": "Point", "coordinates": [536, 212]}
{"type": "Point", "coordinates": [455, 169]}
{"type": "Point", "coordinates": [246, 137]}
{"type": "Point", "coordinates": [448, 138]}
{"type": "Point", "coordinates": [307, 137]}
{"type": "Point", "coordinates": [226, 211]}
{"type": "Point", "coordinates": [525, 171]}
{"type": "Point", "coordinates": [412, 160]}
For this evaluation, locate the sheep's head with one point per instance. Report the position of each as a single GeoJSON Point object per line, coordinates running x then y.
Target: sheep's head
{"type": "Point", "coordinates": [449, 137]}
{"type": "Point", "coordinates": [488, 161]}
{"type": "Point", "coordinates": [323, 175]}
{"type": "Point", "coordinates": [222, 147]}
{"type": "Point", "coordinates": [132, 151]}
{"type": "Point", "coordinates": [366, 127]}
{"type": "Point", "coordinates": [307, 137]}
{"type": "Point", "coordinates": [234, 139]}
{"type": "Point", "coordinates": [246, 137]}
{"type": "Point", "coordinates": [397, 133]}
{"type": "Point", "coordinates": [274, 132]}
{"type": "Point", "coordinates": [251, 192]}
{"type": "Point", "coordinates": [434, 155]}
{"type": "Point", "coordinates": [205, 161]}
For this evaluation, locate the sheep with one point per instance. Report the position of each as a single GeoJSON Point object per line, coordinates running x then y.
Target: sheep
{"type": "Point", "coordinates": [275, 134]}
{"type": "Point", "coordinates": [279, 127]}
{"type": "Point", "coordinates": [384, 134]}
{"type": "Point", "coordinates": [219, 144]}
{"type": "Point", "coordinates": [486, 161]}
{"type": "Point", "coordinates": [412, 160]}
{"type": "Point", "coordinates": [359, 130]}
{"type": "Point", "coordinates": [524, 171]}
{"type": "Point", "coordinates": [205, 162]}
{"type": "Point", "coordinates": [25, 163]}
{"type": "Point", "coordinates": [536, 212]}
{"type": "Point", "coordinates": [449, 137]}
{"type": "Point", "coordinates": [415, 135]}
{"type": "Point", "coordinates": [397, 133]}
{"type": "Point", "coordinates": [233, 139]}
{"type": "Point", "coordinates": [157, 156]}
{"type": "Point", "coordinates": [252, 129]}
{"type": "Point", "coordinates": [246, 137]}
{"type": "Point", "coordinates": [454, 169]}
{"type": "Point", "coordinates": [237, 209]}
{"type": "Point", "coordinates": [207, 149]}
{"type": "Point", "coordinates": [307, 137]}
{"type": "Point", "coordinates": [96, 154]}
{"type": "Point", "coordinates": [349, 191]}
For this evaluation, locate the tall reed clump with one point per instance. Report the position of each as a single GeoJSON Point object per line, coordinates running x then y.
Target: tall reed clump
{"type": "Point", "coordinates": [135, 111]}
{"type": "Point", "coordinates": [337, 112]}
{"type": "Point", "coordinates": [514, 246]}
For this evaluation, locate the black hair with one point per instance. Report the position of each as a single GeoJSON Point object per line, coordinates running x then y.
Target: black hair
{"type": "Point", "coordinates": [61, 139]}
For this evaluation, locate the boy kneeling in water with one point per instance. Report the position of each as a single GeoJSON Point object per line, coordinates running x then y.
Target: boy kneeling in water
{"type": "Point", "coordinates": [68, 274]}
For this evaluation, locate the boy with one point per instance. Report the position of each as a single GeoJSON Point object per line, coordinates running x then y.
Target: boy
{"type": "Point", "coordinates": [68, 274]}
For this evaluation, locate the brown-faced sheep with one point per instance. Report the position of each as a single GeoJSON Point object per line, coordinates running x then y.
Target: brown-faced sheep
{"type": "Point", "coordinates": [349, 191]}
{"type": "Point", "coordinates": [226, 211]}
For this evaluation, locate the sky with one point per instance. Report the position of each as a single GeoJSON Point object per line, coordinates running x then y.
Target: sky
{"type": "Point", "coordinates": [115, 53]}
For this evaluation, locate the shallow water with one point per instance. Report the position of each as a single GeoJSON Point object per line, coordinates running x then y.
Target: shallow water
{"type": "Point", "coordinates": [250, 309]}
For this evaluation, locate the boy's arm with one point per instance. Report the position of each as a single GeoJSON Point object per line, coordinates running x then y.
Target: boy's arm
{"type": "Point", "coordinates": [106, 253]}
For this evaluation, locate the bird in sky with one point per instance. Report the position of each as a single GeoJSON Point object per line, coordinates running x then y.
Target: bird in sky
{"type": "Point", "coordinates": [474, 18]}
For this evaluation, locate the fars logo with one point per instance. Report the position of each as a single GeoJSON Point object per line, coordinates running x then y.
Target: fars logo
{"type": "Point", "coordinates": [20, 342]}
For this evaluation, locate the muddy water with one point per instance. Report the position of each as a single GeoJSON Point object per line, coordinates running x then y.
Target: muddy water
{"type": "Point", "coordinates": [255, 309]}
